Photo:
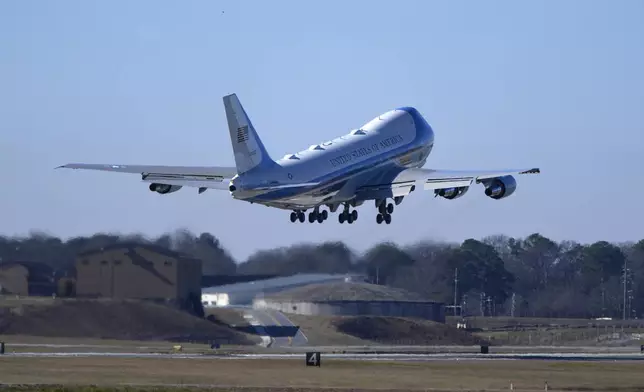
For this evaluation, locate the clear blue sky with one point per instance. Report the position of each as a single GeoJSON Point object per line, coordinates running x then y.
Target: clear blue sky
{"type": "Point", "coordinates": [553, 84]}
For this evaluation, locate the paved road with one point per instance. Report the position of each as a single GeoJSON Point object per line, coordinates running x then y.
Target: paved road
{"type": "Point", "coordinates": [265, 319]}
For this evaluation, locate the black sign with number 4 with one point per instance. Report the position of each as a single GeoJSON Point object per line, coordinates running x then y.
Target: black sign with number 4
{"type": "Point", "coordinates": [313, 359]}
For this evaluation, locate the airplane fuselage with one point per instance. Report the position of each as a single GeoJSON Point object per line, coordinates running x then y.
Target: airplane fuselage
{"type": "Point", "coordinates": [382, 161]}
{"type": "Point", "coordinates": [329, 172]}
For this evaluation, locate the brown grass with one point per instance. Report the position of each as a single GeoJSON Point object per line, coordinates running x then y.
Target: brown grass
{"type": "Point", "coordinates": [259, 374]}
{"type": "Point", "coordinates": [502, 323]}
{"type": "Point", "coordinates": [370, 330]}
{"type": "Point", "coordinates": [112, 319]}
{"type": "Point", "coordinates": [401, 330]}
{"type": "Point", "coordinates": [227, 316]}
{"type": "Point", "coordinates": [320, 330]}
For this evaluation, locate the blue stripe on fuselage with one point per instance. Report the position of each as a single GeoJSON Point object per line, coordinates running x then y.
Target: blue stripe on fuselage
{"type": "Point", "coordinates": [424, 136]}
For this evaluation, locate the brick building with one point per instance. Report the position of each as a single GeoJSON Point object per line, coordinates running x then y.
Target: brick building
{"type": "Point", "coordinates": [26, 278]}
{"type": "Point", "coordinates": [137, 271]}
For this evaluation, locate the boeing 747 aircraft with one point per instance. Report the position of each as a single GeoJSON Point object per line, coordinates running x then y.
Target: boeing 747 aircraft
{"type": "Point", "coordinates": [380, 161]}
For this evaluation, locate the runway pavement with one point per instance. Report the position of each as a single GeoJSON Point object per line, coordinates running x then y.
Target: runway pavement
{"type": "Point", "coordinates": [355, 357]}
{"type": "Point", "coordinates": [263, 320]}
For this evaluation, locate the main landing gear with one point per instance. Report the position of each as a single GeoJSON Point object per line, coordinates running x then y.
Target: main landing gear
{"type": "Point", "coordinates": [347, 215]}
{"type": "Point", "coordinates": [314, 216]}
{"type": "Point", "coordinates": [297, 215]}
{"type": "Point", "coordinates": [384, 212]}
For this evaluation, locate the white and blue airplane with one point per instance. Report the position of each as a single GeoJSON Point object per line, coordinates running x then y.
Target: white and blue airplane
{"type": "Point", "coordinates": [379, 161]}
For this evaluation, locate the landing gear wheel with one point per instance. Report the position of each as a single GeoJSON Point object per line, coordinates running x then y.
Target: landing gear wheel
{"type": "Point", "coordinates": [301, 217]}
{"type": "Point", "coordinates": [390, 209]}
{"type": "Point", "coordinates": [341, 218]}
{"type": "Point", "coordinates": [325, 215]}
{"type": "Point", "coordinates": [354, 215]}
{"type": "Point", "coordinates": [350, 218]}
{"type": "Point", "coordinates": [320, 218]}
{"type": "Point", "coordinates": [379, 218]}
{"type": "Point", "coordinates": [382, 208]}
{"type": "Point", "coordinates": [293, 217]}
{"type": "Point", "coordinates": [387, 219]}
{"type": "Point", "coordinates": [312, 217]}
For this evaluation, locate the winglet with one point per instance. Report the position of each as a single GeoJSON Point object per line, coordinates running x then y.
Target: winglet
{"type": "Point", "coordinates": [536, 170]}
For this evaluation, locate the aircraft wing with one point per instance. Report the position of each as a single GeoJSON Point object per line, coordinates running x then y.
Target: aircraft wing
{"type": "Point", "coordinates": [404, 182]}
{"type": "Point", "coordinates": [441, 179]}
{"type": "Point", "coordinates": [213, 177]}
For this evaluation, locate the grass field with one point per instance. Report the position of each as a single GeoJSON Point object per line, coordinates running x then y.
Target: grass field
{"type": "Point", "coordinates": [111, 319]}
{"type": "Point", "coordinates": [528, 331]}
{"type": "Point", "coordinates": [334, 374]}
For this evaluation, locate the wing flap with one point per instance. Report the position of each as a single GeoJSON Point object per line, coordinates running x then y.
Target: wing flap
{"type": "Point", "coordinates": [432, 179]}
{"type": "Point", "coordinates": [220, 185]}
{"type": "Point", "coordinates": [379, 191]}
{"type": "Point", "coordinates": [442, 179]}
{"type": "Point", "coordinates": [476, 174]}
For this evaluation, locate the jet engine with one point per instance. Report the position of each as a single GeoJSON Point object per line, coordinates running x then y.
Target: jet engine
{"type": "Point", "coordinates": [163, 188]}
{"type": "Point", "coordinates": [451, 193]}
{"type": "Point", "coordinates": [501, 187]}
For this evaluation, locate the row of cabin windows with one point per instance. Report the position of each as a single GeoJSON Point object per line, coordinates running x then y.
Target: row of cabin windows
{"type": "Point", "coordinates": [118, 262]}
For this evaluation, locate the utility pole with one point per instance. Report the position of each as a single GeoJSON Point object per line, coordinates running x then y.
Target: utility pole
{"type": "Point", "coordinates": [455, 290]}
{"type": "Point", "coordinates": [603, 297]}
{"type": "Point", "coordinates": [464, 304]}
{"type": "Point", "coordinates": [513, 304]}
{"type": "Point", "coordinates": [482, 298]}
{"type": "Point", "coordinates": [625, 281]}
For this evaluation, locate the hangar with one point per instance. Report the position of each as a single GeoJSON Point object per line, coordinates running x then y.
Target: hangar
{"type": "Point", "coordinates": [243, 294]}
{"type": "Point", "coordinates": [137, 271]}
{"type": "Point", "coordinates": [352, 299]}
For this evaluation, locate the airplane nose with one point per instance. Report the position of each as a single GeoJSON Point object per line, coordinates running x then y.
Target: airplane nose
{"type": "Point", "coordinates": [422, 126]}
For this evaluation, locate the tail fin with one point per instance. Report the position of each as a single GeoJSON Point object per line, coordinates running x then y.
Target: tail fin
{"type": "Point", "coordinates": [247, 146]}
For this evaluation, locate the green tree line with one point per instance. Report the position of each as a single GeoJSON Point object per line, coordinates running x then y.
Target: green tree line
{"type": "Point", "coordinates": [497, 275]}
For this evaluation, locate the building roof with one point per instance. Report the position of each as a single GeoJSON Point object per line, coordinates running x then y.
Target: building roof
{"type": "Point", "coordinates": [220, 280]}
{"type": "Point", "coordinates": [343, 291]}
{"type": "Point", "coordinates": [281, 282]}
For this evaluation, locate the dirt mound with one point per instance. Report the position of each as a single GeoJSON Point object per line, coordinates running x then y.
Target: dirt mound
{"type": "Point", "coordinates": [114, 319]}
{"type": "Point", "coordinates": [345, 291]}
{"type": "Point", "coordinates": [398, 330]}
